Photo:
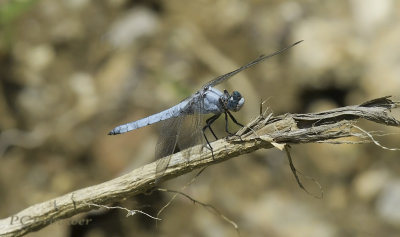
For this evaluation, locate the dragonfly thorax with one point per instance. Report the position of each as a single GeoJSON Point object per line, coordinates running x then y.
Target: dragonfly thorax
{"type": "Point", "coordinates": [235, 101]}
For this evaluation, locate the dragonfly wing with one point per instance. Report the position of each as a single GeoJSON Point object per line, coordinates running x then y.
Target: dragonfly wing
{"type": "Point", "coordinates": [183, 133]}
{"type": "Point", "coordinates": [167, 143]}
{"type": "Point", "coordinates": [191, 131]}
{"type": "Point", "coordinates": [228, 75]}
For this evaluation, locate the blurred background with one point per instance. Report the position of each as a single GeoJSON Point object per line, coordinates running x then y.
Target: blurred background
{"type": "Point", "coordinates": [72, 70]}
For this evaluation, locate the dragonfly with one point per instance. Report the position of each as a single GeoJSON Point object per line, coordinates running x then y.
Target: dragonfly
{"type": "Point", "coordinates": [182, 125]}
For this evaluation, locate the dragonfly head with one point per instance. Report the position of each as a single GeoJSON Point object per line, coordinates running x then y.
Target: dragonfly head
{"type": "Point", "coordinates": [235, 101]}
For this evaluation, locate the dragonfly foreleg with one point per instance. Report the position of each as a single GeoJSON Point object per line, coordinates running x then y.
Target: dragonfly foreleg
{"type": "Point", "coordinates": [234, 120]}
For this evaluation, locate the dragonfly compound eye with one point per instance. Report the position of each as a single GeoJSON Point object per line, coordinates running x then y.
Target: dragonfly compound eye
{"type": "Point", "coordinates": [235, 101]}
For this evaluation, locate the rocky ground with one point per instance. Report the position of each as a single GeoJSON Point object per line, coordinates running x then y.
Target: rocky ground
{"type": "Point", "coordinates": [72, 70]}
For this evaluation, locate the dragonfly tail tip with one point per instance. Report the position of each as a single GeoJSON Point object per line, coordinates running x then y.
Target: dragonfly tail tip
{"type": "Point", "coordinates": [112, 133]}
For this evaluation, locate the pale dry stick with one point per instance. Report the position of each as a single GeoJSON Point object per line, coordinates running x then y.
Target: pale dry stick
{"type": "Point", "coordinates": [255, 121]}
{"type": "Point", "coordinates": [295, 171]}
{"type": "Point", "coordinates": [183, 188]}
{"type": "Point", "coordinates": [375, 141]}
{"type": "Point", "coordinates": [262, 113]}
{"type": "Point", "coordinates": [207, 206]}
{"type": "Point", "coordinates": [342, 142]}
{"type": "Point", "coordinates": [283, 129]}
{"type": "Point", "coordinates": [129, 212]}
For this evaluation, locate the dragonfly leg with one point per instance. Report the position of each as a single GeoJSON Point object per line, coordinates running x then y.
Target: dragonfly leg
{"type": "Point", "coordinates": [210, 121]}
{"type": "Point", "coordinates": [226, 124]}
{"type": "Point", "coordinates": [234, 120]}
{"type": "Point", "coordinates": [208, 125]}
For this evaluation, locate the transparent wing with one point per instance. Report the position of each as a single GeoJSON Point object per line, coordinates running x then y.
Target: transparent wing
{"type": "Point", "coordinates": [224, 77]}
{"type": "Point", "coordinates": [167, 143]}
{"type": "Point", "coordinates": [182, 132]}
{"type": "Point", "coordinates": [191, 131]}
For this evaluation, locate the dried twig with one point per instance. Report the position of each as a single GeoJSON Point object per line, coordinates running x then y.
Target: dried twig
{"type": "Point", "coordinates": [328, 126]}
{"type": "Point", "coordinates": [207, 206]}
{"type": "Point", "coordinates": [128, 211]}
{"type": "Point", "coordinates": [296, 171]}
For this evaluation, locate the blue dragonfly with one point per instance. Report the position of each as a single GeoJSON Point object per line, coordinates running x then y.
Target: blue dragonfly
{"type": "Point", "coordinates": [182, 125]}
